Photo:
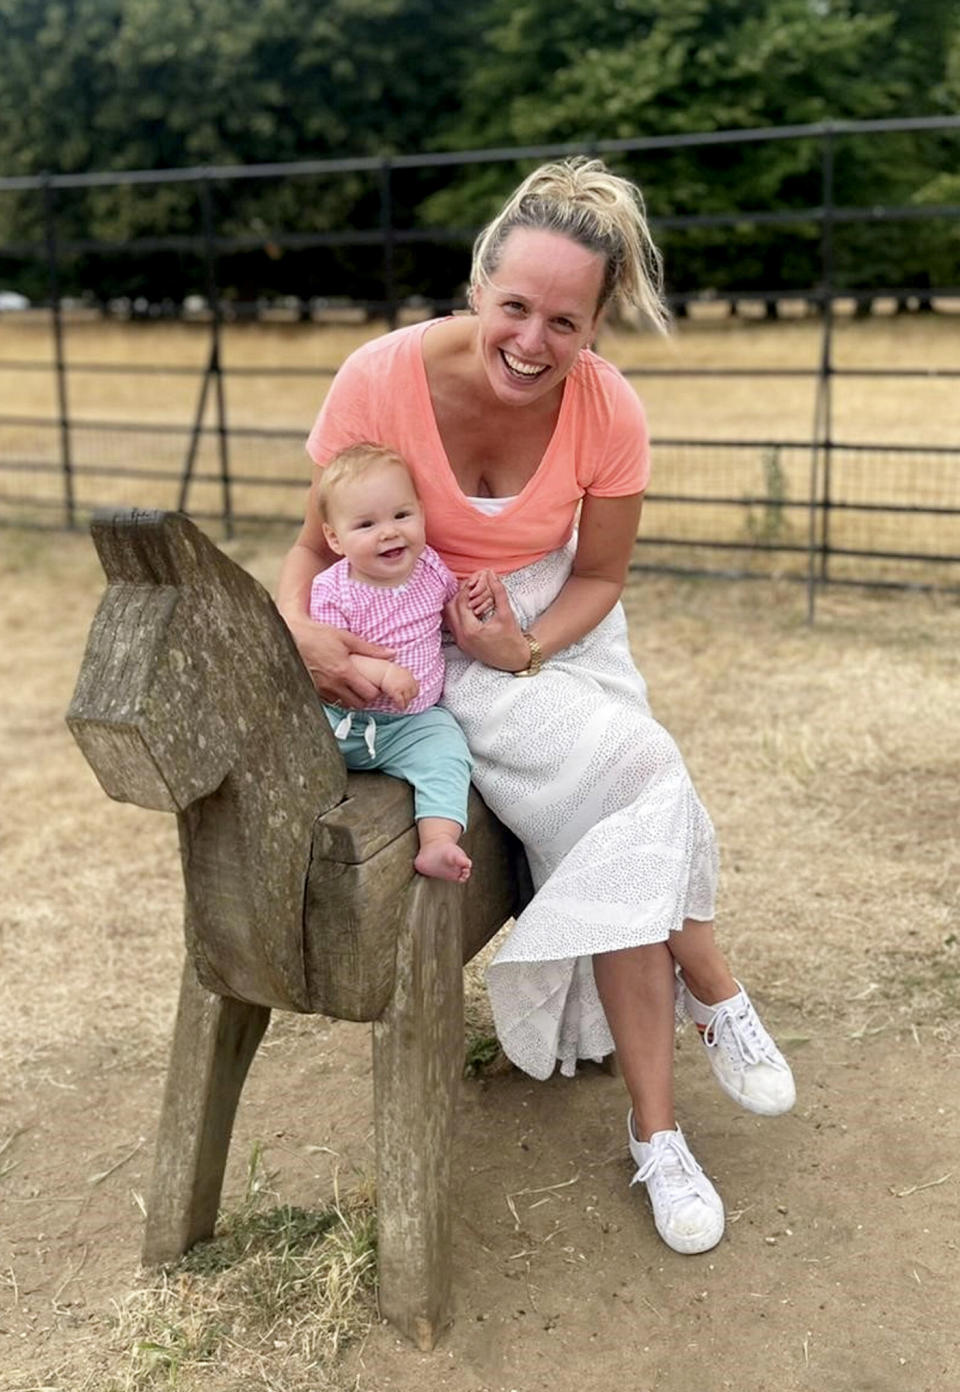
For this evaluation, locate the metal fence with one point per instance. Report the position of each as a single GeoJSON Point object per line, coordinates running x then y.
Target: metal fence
{"type": "Point", "coordinates": [813, 508]}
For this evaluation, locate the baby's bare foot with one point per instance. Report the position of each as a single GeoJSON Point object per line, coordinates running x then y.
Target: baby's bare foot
{"type": "Point", "coordinates": [443, 860]}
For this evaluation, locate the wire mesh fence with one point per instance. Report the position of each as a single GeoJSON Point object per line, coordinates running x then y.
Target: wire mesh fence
{"type": "Point", "coordinates": [818, 506]}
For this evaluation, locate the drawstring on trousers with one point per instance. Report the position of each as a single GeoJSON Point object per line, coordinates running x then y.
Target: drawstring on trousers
{"type": "Point", "coordinates": [345, 725]}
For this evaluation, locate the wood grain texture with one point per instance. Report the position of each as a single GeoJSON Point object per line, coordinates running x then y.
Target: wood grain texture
{"type": "Point", "coordinates": [361, 866]}
{"type": "Point", "coordinates": [300, 888]}
{"type": "Point", "coordinates": [499, 885]}
{"type": "Point", "coordinates": [353, 913]}
{"type": "Point", "coordinates": [375, 810]}
{"type": "Point", "coordinates": [193, 697]}
{"type": "Point", "coordinates": [214, 1041]}
{"type": "Point", "coordinates": [417, 1067]}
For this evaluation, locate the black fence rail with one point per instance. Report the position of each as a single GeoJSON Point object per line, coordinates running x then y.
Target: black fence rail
{"type": "Point", "coordinates": [820, 509]}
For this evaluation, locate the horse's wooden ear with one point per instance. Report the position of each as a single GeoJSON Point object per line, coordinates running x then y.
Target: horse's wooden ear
{"type": "Point", "coordinates": [148, 548]}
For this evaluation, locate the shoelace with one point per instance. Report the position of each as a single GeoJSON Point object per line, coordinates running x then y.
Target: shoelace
{"type": "Point", "coordinates": [743, 1032]}
{"type": "Point", "coordinates": [671, 1154]}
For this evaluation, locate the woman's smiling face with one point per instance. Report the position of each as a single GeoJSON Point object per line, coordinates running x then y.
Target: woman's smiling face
{"type": "Point", "coordinates": [537, 311]}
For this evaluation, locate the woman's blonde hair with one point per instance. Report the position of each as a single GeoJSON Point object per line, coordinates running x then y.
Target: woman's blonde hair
{"type": "Point", "coordinates": [354, 462]}
{"type": "Point", "coordinates": [582, 199]}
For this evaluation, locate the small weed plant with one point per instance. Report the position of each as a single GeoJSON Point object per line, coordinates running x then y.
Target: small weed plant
{"type": "Point", "coordinates": [481, 1051]}
{"type": "Point", "coordinates": [768, 524]}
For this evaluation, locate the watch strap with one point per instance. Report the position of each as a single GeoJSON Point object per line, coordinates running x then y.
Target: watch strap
{"type": "Point", "coordinates": [536, 657]}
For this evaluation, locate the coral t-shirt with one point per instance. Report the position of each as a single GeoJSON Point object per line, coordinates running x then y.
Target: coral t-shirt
{"type": "Point", "coordinates": [599, 447]}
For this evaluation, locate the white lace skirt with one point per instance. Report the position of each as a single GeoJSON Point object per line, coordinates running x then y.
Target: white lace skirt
{"type": "Point", "coordinates": [621, 849]}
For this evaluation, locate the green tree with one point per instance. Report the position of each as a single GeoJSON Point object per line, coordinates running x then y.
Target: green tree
{"type": "Point", "coordinates": [123, 84]}
{"type": "Point", "coordinates": [154, 84]}
{"type": "Point", "coordinates": [658, 67]}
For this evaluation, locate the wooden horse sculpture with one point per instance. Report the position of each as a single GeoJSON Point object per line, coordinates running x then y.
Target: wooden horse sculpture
{"type": "Point", "coordinates": [300, 889]}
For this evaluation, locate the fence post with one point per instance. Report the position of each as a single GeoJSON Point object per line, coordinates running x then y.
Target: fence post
{"type": "Point", "coordinates": [386, 229]}
{"type": "Point", "coordinates": [186, 477]}
{"type": "Point", "coordinates": [812, 522]}
{"type": "Point", "coordinates": [821, 442]}
{"type": "Point", "coordinates": [214, 368]}
{"type": "Point", "coordinates": [826, 354]}
{"type": "Point", "coordinates": [56, 319]}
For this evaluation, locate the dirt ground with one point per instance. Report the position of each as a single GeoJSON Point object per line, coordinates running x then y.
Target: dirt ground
{"type": "Point", "coordinates": [829, 759]}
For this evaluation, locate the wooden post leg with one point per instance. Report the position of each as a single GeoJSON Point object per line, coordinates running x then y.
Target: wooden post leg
{"type": "Point", "coordinates": [214, 1041]}
{"type": "Point", "coordinates": [611, 1064]}
{"type": "Point", "coordinates": [417, 1067]}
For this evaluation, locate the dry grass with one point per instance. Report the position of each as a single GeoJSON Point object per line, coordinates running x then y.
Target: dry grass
{"type": "Point", "coordinates": [884, 410]}
{"type": "Point", "coordinates": [828, 757]}
{"type": "Point", "coordinates": [875, 409]}
{"type": "Point", "coordinates": [880, 411]}
{"type": "Point", "coordinates": [272, 1302]}
{"type": "Point", "coordinates": [829, 760]}
{"type": "Point", "coordinates": [865, 410]}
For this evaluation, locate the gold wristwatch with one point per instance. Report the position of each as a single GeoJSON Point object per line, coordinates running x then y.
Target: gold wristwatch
{"type": "Point", "coordinates": [536, 657]}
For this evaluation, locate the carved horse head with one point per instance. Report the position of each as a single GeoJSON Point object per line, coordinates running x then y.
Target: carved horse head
{"type": "Point", "coordinates": [192, 699]}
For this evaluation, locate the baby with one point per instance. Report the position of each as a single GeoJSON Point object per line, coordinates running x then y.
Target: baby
{"type": "Point", "coordinates": [391, 588]}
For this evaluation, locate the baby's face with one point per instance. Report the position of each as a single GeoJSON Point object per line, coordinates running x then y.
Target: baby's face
{"type": "Point", "coordinates": [377, 523]}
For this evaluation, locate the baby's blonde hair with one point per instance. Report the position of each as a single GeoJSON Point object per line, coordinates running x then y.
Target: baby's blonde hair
{"type": "Point", "coordinates": [352, 463]}
{"type": "Point", "coordinates": [582, 199]}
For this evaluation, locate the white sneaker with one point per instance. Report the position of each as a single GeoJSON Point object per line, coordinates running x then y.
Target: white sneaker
{"type": "Point", "coordinates": [745, 1061]}
{"type": "Point", "coordinates": [687, 1210]}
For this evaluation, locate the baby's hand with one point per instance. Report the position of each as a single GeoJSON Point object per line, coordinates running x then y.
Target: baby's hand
{"type": "Point", "coordinates": [400, 685]}
{"type": "Point", "coordinates": [480, 594]}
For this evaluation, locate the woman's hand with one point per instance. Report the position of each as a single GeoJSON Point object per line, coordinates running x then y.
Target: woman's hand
{"type": "Point", "coordinates": [326, 654]}
{"type": "Point", "coordinates": [496, 640]}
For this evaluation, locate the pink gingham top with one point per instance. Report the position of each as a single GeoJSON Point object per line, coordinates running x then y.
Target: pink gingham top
{"type": "Point", "coordinates": [405, 618]}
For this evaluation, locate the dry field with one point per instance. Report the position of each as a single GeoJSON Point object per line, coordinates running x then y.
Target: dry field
{"type": "Point", "coordinates": [829, 759]}
{"type": "Point", "coordinates": [916, 412]}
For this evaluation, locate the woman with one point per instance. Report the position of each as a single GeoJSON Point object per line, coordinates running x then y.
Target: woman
{"type": "Point", "coordinates": [511, 424]}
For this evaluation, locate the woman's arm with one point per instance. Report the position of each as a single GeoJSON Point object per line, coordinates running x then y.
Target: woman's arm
{"type": "Point", "coordinates": [308, 555]}
{"type": "Point", "coordinates": [325, 650]}
{"type": "Point", "coordinates": [607, 532]}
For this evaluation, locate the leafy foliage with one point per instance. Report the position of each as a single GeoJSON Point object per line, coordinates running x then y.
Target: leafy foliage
{"type": "Point", "coordinates": [672, 67]}
{"type": "Point", "coordinates": [154, 84]}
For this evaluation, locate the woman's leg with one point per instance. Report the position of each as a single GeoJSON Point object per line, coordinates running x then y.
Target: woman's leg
{"type": "Point", "coordinates": [704, 967]}
{"type": "Point", "coordinates": [636, 989]}
{"type": "Point", "coordinates": [745, 1060]}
